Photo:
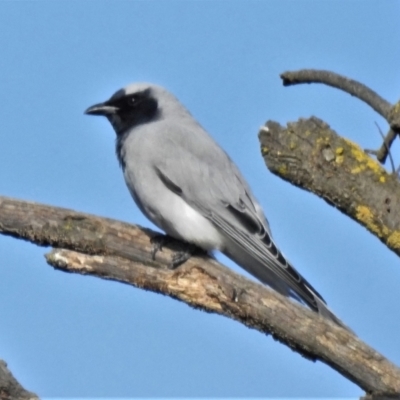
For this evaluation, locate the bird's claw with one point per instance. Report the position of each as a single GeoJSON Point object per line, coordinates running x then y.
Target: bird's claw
{"type": "Point", "coordinates": [158, 241]}
{"type": "Point", "coordinates": [180, 257]}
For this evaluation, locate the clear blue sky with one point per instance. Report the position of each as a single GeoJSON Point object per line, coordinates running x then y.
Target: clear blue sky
{"type": "Point", "coordinates": [67, 335]}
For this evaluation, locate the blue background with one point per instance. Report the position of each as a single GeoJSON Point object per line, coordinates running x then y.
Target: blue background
{"type": "Point", "coordinates": [65, 335]}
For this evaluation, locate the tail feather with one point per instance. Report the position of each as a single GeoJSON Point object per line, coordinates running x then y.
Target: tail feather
{"type": "Point", "coordinates": [325, 312]}
{"type": "Point", "coordinates": [259, 270]}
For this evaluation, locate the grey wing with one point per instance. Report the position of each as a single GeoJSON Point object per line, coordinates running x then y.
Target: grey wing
{"type": "Point", "coordinates": [210, 183]}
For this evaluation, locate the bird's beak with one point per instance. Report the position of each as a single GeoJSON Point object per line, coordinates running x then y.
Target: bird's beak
{"type": "Point", "coordinates": [101, 109]}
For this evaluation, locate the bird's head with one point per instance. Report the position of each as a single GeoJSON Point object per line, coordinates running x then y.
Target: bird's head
{"type": "Point", "coordinates": [133, 105]}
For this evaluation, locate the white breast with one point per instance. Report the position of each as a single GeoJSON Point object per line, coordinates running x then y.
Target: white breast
{"type": "Point", "coordinates": [170, 212]}
{"type": "Point", "coordinates": [181, 221]}
{"type": "Point", "coordinates": [188, 224]}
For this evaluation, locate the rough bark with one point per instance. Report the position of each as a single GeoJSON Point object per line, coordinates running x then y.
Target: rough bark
{"type": "Point", "coordinates": [10, 389]}
{"type": "Point", "coordinates": [388, 111]}
{"type": "Point", "coordinates": [310, 155]}
{"type": "Point", "coordinates": [114, 250]}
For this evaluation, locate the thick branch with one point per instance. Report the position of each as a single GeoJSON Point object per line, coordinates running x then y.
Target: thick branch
{"type": "Point", "coordinates": [312, 156]}
{"type": "Point", "coordinates": [10, 388]}
{"type": "Point", "coordinates": [207, 285]}
{"type": "Point", "coordinates": [122, 252]}
{"type": "Point", "coordinates": [357, 89]}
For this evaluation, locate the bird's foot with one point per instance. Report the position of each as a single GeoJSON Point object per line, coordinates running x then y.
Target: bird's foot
{"type": "Point", "coordinates": [180, 257]}
{"type": "Point", "coordinates": [158, 241]}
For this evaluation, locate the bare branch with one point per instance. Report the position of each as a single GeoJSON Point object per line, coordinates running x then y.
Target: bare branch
{"type": "Point", "coordinates": [312, 156]}
{"type": "Point", "coordinates": [59, 227]}
{"type": "Point", "coordinates": [357, 89]}
{"type": "Point", "coordinates": [354, 88]}
{"type": "Point", "coordinates": [10, 388]}
{"type": "Point", "coordinates": [123, 253]}
{"type": "Point", "coordinates": [207, 285]}
{"type": "Point", "coordinates": [384, 151]}
{"type": "Point", "coordinates": [394, 117]}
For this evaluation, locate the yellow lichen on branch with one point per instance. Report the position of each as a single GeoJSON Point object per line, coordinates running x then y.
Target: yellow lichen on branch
{"type": "Point", "coordinates": [365, 162]}
{"type": "Point", "coordinates": [312, 156]}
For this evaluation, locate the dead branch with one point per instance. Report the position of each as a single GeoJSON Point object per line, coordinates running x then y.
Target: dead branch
{"type": "Point", "coordinates": [357, 89]}
{"type": "Point", "coordinates": [10, 388]}
{"type": "Point", "coordinates": [383, 151]}
{"type": "Point", "coordinates": [310, 155]}
{"type": "Point", "coordinates": [388, 111]}
{"type": "Point", "coordinates": [114, 250]}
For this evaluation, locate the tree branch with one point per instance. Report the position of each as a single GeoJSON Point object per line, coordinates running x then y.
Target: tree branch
{"type": "Point", "coordinates": [114, 250]}
{"type": "Point", "coordinates": [383, 151]}
{"type": "Point", "coordinates": [310, 155]}
{"type": "Point", "coordinates": [354, 88]}
{"type": "Point", "coordinates": [10, 388]}
{"type": "Point", "coordinates": [388, 111]}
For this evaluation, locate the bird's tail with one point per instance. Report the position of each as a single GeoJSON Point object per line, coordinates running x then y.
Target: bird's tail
{"type": "Point", "coordinates": [301, 291]}
{"type": "Point", "coordinates": [324, 311]}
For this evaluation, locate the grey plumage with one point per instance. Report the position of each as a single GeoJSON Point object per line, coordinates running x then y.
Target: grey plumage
{"type": "Point", "coordinates": [183, 181]}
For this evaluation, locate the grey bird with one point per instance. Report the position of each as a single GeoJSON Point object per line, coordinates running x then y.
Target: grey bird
{"type": "Point", "coordinates": [184, 182]}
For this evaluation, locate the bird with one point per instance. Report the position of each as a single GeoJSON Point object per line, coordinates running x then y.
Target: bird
{"type": "Point", "coordinates": [190, 188]}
